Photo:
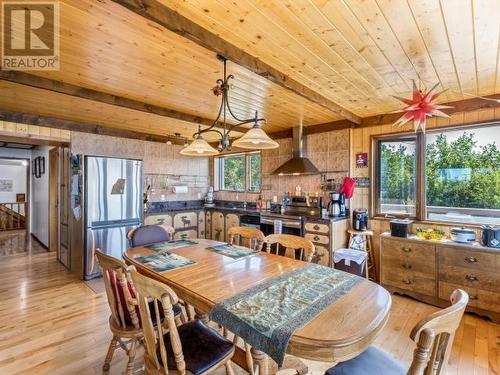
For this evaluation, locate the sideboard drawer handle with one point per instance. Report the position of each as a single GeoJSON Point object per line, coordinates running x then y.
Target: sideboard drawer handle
{"type": "Point", "coordinates": [316, 227]}
{"type": "Point", "coordinates": [407, 281]}
{"type": "Point", "coordinates": [407, 266]}
{"type": "Point", "coordinates": [470, 259]}
{"type": "Point", "coordinates": [316, 238]}
{"type": "Point", "coordinates": [471, 278]}
{"type": "Point", "coordinates": [406, 249]}
{"type": "Point", "coordinates": [473, 297]}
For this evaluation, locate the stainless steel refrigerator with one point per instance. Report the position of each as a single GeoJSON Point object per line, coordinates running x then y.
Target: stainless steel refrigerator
{"type": "Point", "coordinates": [113, 206]}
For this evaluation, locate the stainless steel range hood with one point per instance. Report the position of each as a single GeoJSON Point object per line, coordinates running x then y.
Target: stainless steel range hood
{"type": "Point", "coordinates": [299, 164]}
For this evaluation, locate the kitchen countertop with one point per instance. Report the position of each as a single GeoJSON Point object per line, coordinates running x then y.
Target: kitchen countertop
{"type": "Point", "coordinates": [444, 241]}
{"type": "Point", "coordinates": [165, 207]}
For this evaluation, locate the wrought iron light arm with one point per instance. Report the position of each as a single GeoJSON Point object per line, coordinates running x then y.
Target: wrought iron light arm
{"type": "Point", "coordinates": [222, 89]}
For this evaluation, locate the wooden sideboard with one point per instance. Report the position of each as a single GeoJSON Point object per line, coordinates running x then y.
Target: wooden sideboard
{"type": "Point", "coordinates": [430, 270]}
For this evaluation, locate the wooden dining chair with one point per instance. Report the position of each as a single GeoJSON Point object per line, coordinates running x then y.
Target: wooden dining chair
{"type": "Point", "coordinates": [192, 348]}
{"type": "Point", "coordinates": [246, 236]}
{"type": "Point", "coordinates": [433, 336]}
{"type": "Point", "coordinates": [291, 243]}
{"type": "Point", "coordinates": [148, 234]}
{"type": "Point", "coordinates": [124, 320]}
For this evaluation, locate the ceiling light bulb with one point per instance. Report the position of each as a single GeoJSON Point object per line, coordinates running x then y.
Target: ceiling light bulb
{"type": "Point", "coordinates": [169, 142]}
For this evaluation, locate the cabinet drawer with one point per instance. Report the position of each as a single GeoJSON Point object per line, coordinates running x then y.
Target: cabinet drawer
{"type": "Point", "coordinates": [479, 298]}
{"type": "Point", "coordinates": [426, 269]}
{"type": "Point", "coordinates": [317, 227]}
{"type": "Point", "coordinates": [185, 220]}
{"type": "Point", "coordinates": [317, 238]}
{"type": "Point", "coordinates": [469, 258]}
{"type": "Point", "coordinates": [322, 255]}
{"type": "Point", "coordinates": [184, 234]}
{"type": "Point", "coordinates": [408, 251]}
{"type": "Point", "coordinates": [469, 278]}
{"type": "Point", "coordinates": [410, 281]}
{"type": "Point", "coordinates": [158, 220]}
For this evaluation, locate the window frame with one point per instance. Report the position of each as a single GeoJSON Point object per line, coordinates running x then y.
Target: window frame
{"type": "Point", "coordinates": [375, 173]}
{"type": "Point", "coordinates": [218, 177]}
{"type": "Point", "coordinates": [421, 196]}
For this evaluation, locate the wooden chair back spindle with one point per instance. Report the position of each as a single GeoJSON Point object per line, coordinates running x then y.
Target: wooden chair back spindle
{"type": "Point", "coordinates": [291, 243]}
{"type": "Point", "coordinates": [246, 236]}
{"type": "Point", "coordinates": [152, 290]}
{"type": "Point", "coordinates": [117, 280]}
{"type": "Point", "coordinates": [434, 337]}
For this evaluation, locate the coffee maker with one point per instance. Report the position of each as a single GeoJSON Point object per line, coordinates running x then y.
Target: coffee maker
{"type": "Point", "coordinates": [336, 207]}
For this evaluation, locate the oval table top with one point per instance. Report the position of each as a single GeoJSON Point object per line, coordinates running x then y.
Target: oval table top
{"type": "Point", "coordinates": [341, 331]}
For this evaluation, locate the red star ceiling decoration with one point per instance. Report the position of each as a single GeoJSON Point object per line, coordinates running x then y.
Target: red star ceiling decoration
{"type": "Point", "coordinates": [420, 106]}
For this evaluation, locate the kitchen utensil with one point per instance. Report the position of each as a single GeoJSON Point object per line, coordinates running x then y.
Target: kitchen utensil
{"type": "Point", "coordinates": [462, 235]}
{"type": "Point", "coordinates": [490, 236]}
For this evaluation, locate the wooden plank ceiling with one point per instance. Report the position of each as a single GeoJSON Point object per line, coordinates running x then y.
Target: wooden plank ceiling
{"type": "Point", "coordinates": [360, 52]}
{"type": "Point", "coordinates": [356, 53]}
{"type": "Point", "coordinates": [107, 48]}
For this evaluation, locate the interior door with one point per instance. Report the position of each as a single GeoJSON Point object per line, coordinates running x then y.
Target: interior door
{"type": "Point", "coordinates": [54, 199]}
{"type": "Point", "coordinates": [63, 253]}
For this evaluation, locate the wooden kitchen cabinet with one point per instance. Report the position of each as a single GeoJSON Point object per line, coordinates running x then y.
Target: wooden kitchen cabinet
{"type": "Point", "coordinates": [183, 220]}
{"type": "Point", "coordinates": [158, 219]}
{"type": "Point", "coordinates": [201, 224]}
{"type": "Point", "coordinates": [326, 236]}
{"type": "Point", "coordinates": [218, 232]}
{"type": "Point", "coordinates": [231, 220]}
{"type": "Point", "coordinates": [430, 271]}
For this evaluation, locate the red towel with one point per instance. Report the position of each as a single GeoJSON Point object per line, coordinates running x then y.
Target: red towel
{"type": "Point", "coordinates": [348, 187]}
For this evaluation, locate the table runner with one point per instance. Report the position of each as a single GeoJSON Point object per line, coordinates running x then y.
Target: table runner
{"type": "Point", "coordinates": [170, 245]}
{"type": "Point", "coordinates": [164, 261]}
{"type": "Point", "coordinates": [233, 251]}
{"type": "Point", "coordinates": [268, 314]}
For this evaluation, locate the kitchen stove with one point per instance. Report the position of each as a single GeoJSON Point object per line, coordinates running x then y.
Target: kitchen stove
{"type": "Point", "coordinates": [296, 209]}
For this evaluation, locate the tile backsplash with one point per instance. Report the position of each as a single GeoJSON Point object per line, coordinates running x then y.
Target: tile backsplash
{"type": "Point", "coordinates": [164, 167]}
{"type": "Point", "coordinates": [329, 152]}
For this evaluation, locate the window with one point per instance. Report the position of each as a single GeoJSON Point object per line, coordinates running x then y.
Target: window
{"type": "Point", "coordinates": [455, 174]}
{"type": "Point", "coordinates": [462, 169]}
{"type": "Point", "coordinates": [238, 172]}
{"type": "Point", "coordinates": [397, 177]}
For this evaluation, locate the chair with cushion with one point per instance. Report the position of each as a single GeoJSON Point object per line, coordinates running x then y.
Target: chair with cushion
{"type": "Point", "coordinates": [246, 236]}
{"type": "Point", "coordinates": [148, 234]}
{"type": "Point", "coordinates": [433, 336]}
{"type": "Point", "coordinates": [124, 321]}
{"type": "Point", "coordinates": [290, 243]}
{"type": "Point", "coordinates": [192, 348]}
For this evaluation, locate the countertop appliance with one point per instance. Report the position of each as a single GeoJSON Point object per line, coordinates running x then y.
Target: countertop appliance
{"type": "Point", "coordinates": [360, 219]}
{"type": "Point", "coordinates": [334, 205]}
{"type": "Point", "coordinates": [490, 236]}
{"type": "Point", "coordinates": [337, 206]}
{"type": "Point", "coordinates": [400, 227]}
{"type": "Point", "coordinates": [113, 206]}
{"type": "Point", "coordinates": [296, 208]}
{"type": "Point", "coordinates": [462, 235]}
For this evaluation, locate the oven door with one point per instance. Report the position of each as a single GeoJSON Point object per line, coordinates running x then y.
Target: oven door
{"type": "Point", "coordinates": [288, 226]}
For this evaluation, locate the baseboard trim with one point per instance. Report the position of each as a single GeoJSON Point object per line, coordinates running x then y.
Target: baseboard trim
{"type": "Point", "coordinates": [40, 242]}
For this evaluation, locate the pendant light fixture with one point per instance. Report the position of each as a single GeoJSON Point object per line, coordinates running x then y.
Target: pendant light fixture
{"type": "Point", "coordinates": [255, 138]}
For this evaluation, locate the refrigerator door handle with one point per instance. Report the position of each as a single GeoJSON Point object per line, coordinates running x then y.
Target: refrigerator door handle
{"type": "Point", "coordinates": [92, 253]}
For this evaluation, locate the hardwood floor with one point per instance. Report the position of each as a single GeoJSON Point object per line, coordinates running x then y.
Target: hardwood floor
{"type": "Point", "coordinates": [53, 323]}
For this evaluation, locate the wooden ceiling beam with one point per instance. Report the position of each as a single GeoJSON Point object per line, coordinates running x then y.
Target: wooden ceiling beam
{"type": "Point", "coordinates": [31, 80]}
{"type": "Point", "coordinates": [318, 128]}
{"type": "Point", "coordinates": [466, 105]}
{"type": "Point", "coordinates": [50, 122]}
{"type": "Point", "coordinates": [175, 22]}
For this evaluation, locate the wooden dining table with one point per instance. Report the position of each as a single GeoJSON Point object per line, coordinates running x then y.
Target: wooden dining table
{"type": "Point", "coordinates": [341, 331]}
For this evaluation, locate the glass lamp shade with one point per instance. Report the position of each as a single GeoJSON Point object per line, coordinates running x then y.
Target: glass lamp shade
{"type": "Point", "coordinates": [199, 147]}
{"type": "Point", "coordinates": [255, 138]}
